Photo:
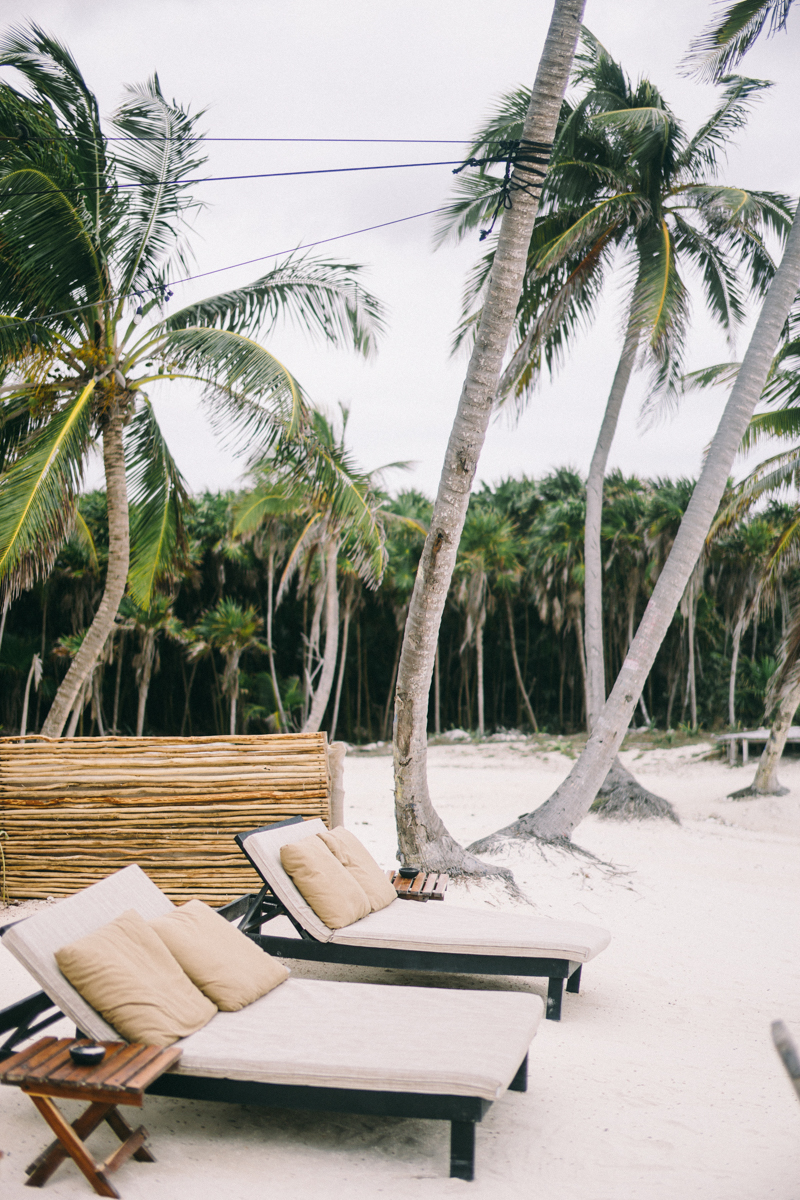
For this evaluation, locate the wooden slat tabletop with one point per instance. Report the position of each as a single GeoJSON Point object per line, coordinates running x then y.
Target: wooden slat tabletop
{"type": "Point", "coordinates": [123, 1074]}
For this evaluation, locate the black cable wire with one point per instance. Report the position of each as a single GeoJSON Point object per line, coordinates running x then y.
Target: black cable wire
{"type": "Point", "coordinates": [201, 138]}
{"type": "Point", "coordinates": [227, 178]}
{"type": "Point", "coordinates": [65, 312]}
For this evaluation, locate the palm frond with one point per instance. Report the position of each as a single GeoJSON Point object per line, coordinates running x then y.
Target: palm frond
{"type": "Point", "coordinates": [255, 398]}
{"type": "Point", "coordinates": [724, 43]}
{"type": "Point", "coordinates": [325, 299]}
{"type": "Point", "coordinates": [158, 494]}
{"type": "Point", "coordinates": [159, 158]}
{"type": "Point", "coordinates": [82, 534]}
{"type": "Point", "coordinates": [738, 96]}
{"type": "Point", "coordinates": [37, 495]}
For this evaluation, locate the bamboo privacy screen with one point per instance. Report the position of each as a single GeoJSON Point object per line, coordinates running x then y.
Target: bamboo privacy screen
{"type": "Point", "coordinates": [74, 810]}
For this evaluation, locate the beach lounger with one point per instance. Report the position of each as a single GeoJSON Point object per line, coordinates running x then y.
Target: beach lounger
{"type": "Point", "coordinates": [413, 937]}
{"type": "Point", "coordinates": [307, 1044]}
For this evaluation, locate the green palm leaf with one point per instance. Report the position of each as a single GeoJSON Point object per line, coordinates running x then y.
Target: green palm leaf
{"type": "Point", "coordinates": [158, 160]}
{"type": "Point", "coordinates": [255, 398]}
{"type": "Point", "coordinates": [37, 495]}
{"type": "Point", "coordinates": [704, 149]}
{"type": "Point", "coordinates": [323, 298]}
{"type": "Point", "coordinates": [725, 42]}
{"type": "Point", "coordinates": [158, 494]}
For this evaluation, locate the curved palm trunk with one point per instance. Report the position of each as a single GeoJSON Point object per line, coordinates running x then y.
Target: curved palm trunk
{"type": "Point", "coordinates": [738, 631]}
{"type": "Point", "coordinates": [348, 608]}
{"type": "Point", "coordinates": [23, 725]}
{"type": "Point", "coordinates": [323, 690]}
{"type": "Point", "coordinates": [270, 651]}
{"type": "Point", "coordinates": [479, 655]}
{"type": "Point", "coordinates": [145, 675]}
{"type": "Point", "coordinates": [116, 577]}
{"type": "Point", "coordinates": [559, 815]}
{"type": "Point", "coordinates": [422, 836]}
{"type": "Point", "coordinates": [766, 781]}
{"type": "Point", "coordinates": [233, 674]}
{"type": "Point", "coordinates": [517, 669]}
{"type": "Point", "coordinates": [592, 546]}
{"type": "Point", "coordinates": [691, 680]}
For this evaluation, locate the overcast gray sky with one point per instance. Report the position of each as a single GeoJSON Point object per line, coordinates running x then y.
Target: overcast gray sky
{"type": "Point", "coordinates": [402, 69]}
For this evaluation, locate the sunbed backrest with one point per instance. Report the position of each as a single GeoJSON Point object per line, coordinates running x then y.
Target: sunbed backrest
{"type": "Point", "coordinates": [263, 848]}
{"type": "Point", "coordinates": [35, 940]}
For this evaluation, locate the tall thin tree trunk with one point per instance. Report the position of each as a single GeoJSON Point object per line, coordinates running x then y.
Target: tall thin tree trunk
{"type": "Point", "coordinates": [118, 683]}
{"type": "Point", "coordinates": [186, 710]}
{"type": "Point", "coordinates": [390, 695]}
{"type": "Point", "coordinates": [81, 700]}
{"type": "Point", "coordinates": [270, 651]}
{"type": "Point", "coordinates": [691, 682]}
{"type": "Point", "coordinates": [481, 625]}
{"type": "Point", "coordinates": [738, 631]}
{"type": "Point", "coordinates": [348, 606]}
{"type": "Point", "coordinates": [520, 684]}
{"type": "Point", "coordinates": [592, 547]}
{"type": "Point", "coordinates": [6, 603]}
{"type": "Point", "coordinates": [766, 780]}
{"type": "Point", "coordinates": [97, 701]}
{"type": "Point", "coordinates": [422, 836]}
{"type": "Point", "coordinates": [323, 689]}
{"type": "Point", "coordinates": [116, 576]}
{"type": "Point", "coordinates": [145, 674]}
{"type": "Point", "coordinates": [33, 674]}
{"type": "Point", "coordinates": [437, 695]}
{"type": "Point", "coordinates": [233, 672]}
{"type": "Point", "coordinates": [570, 802]}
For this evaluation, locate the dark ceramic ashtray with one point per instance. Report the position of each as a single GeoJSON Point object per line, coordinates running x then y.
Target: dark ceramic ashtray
{"type": "Point", "coordinates": [408, 872]}
{"type": "Point", "coordinates": [87, 1056]}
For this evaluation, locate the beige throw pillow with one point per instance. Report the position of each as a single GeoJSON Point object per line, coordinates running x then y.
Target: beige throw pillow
{"type": "Point", "coordinates": [335, 896]}
{"type": "Point", "coordinates": [356, 858]}
{"type": "Point", "coordinates": [126, 972]}
{"type": "Point", "coordinates": [222, 962]}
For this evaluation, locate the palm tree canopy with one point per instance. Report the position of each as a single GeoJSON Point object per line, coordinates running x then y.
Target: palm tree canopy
{"type": "Point", "coordinates": [92, 233]}
{"type": "Point", "coordinates": [724, 43]}
{"type": "Point", "coordinates": [627, 185]}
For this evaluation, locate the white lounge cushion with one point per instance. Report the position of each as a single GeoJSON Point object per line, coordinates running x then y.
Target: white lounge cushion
{"type": "Point", "coordinates": [450, 929]}
{"type": "Point", "coordinates": [433, 926]}
{"type": "Point", "coordinates": [34, 941]}
{"type": "Point", "coordinates": [366, 1036]}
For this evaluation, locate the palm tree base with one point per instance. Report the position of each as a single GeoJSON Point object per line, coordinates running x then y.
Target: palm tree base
{"type": "Point", "coordinates": [622, 798]}
{"type": "Point", "coordinates": [444, 854]}
{"type": "Point", "coordinates": [752, 792]}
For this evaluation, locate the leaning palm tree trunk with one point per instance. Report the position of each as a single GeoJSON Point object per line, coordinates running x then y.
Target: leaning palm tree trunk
{"type": "Point", "coordinates": [423, 838]}
{"type": "Point", "coordinates": [145, 675]}
{"type": "Point", "coordinates": [592, 546]}
{"type": "Point", "coordinates": [738, 631]}
{"type": "Point", "coordinates": [559, 815]}
{"type": "Point", "coordinates": [323, 689]}
{"type": "Point", "coordinates": [526, 700]}
{"type": "Point", "coordinates": [116, 577]}
{"type": "Point", "coordinates": [766, 780]}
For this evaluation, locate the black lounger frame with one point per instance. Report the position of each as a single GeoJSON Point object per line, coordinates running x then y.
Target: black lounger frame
{"type": "Point", "coordinates": [257, 908]}
{"type": "Point", "coordinates": [463, 1112]}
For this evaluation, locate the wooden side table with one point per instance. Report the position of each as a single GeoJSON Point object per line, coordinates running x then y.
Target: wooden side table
{"type": "Point", "coordinates": [45, 1070]}
{"type": "Point", "coordinates": [424, 886]}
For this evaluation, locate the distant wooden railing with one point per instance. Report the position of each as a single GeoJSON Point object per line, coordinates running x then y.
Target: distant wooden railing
{"type": "Point", "coordinates": [72, 810]}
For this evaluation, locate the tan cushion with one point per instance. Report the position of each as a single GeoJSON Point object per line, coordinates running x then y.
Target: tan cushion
{"type": "Point", "coordinates": [356, 858]}
{"type": "Point", "coordinates": [126, 972]}
{"type": "Point", "coordinates": [335, 896]}
{"type": "Point", "coordinates": [224, 964]}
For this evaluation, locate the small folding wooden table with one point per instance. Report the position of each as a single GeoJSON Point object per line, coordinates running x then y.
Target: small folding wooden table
{"type": "Point", "coordinates": [425, 885]}
{"type": "Point", "coordinates": [45, 1071]}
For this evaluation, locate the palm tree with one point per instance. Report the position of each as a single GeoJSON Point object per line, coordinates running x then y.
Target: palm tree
{"type": "Point", "coordinates": [231, 629]}
{"type": "Point", "coordinates": [317, 478]}
{"type": "Point", "coordinates": [629, 190]}
{"type": "Point", "coordinates": [90, 240]}
{"type": "Point", "coordinates": [422, 836]}
{"type": "Point", "coordinates": [562, 812]}
{"type": "Point", "coordinates": [489, 552]}
{"type": "Point", "coordinates": [151, 624]}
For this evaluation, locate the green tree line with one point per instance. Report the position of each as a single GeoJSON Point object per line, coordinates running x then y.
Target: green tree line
{"type": "Point", "coordinates": [517, 592]}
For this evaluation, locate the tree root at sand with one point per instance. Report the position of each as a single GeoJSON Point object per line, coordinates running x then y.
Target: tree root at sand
{"type": "Point", "coordinates": [501, 842]}
{"type": "Point", "coordinates": [753, 793]}
{"type": "Point", "coordinates": [446, 855]}
{"type": "Point", "coordinates": [622, 798]}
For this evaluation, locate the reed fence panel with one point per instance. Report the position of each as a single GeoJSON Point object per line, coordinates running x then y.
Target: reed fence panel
{"type": "Point", "coordinates": [72, 810]}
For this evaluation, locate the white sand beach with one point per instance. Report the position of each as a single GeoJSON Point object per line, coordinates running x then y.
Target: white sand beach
{"type": "Point", "coordinates": [659, 1083]}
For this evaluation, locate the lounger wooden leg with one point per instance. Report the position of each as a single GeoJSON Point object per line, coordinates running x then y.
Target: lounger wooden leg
{"type": "Point", "coordinates": [555, 990]}
{"type": "Point", "coordinates": [74, 1147]}
{"type": "Point", "coordinates": [520, 1081]}
{"type": "Point", "coordinates": [574, 981]}
{"type": "Point", "coordinates": [462, 1150]}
